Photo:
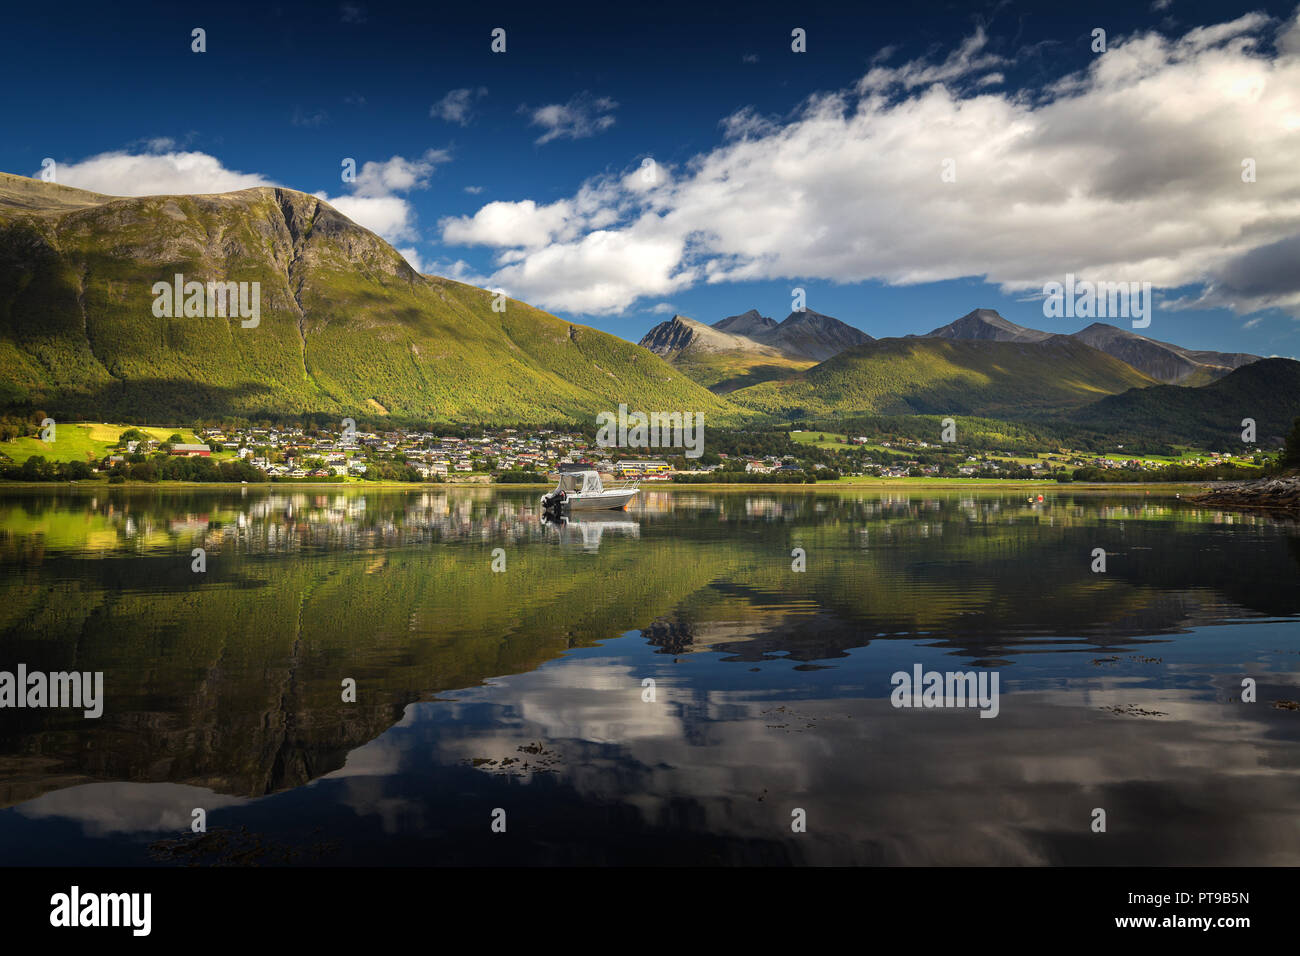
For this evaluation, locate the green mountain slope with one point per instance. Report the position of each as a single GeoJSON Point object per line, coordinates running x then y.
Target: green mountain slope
{"type": "Point", "coordinates": [347, 326]}
{"type": "Point", "coordinates": [941, 376]}
{"type": "Point", "coordinates": [1267, 390]}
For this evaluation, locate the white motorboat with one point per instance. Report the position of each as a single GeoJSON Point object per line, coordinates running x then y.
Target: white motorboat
{"type": "Point", "coordinates": [584, 491]}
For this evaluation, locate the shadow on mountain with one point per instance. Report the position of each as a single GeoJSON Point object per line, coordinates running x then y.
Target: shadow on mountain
{"type": "Point", "coordinates": [151, 400]}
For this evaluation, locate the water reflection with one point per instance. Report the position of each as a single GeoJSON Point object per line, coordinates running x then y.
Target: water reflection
{"type": "Point", "coordinates": [588, 529]}
{"type": "Point", "coordinates": [526, 687]}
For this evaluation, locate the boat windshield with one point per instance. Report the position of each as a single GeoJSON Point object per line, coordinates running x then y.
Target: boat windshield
{"type": "Point", "coordinates": [581, 482]}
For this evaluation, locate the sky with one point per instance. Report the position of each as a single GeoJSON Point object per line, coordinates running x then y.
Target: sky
{"type": "Point", "coordinates": [620, 163]}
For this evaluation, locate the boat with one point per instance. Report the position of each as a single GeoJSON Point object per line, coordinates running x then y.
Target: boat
{"type": "Point", "coordinates": [584, 491]}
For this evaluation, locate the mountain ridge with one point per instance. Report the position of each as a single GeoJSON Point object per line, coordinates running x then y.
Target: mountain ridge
{"type": "Point", "coordinates": [924, 375]}
{"type": "Point", "coordinates": [801, 335]}
{"type": "Point", "coordinates": [347, 325]}
{"type": "Point", "coordinates": [1267, 391]}
{"type": "Point", "coordinates": [1163, 361]}
{"type": "Point", "coordinates": [987, 325]}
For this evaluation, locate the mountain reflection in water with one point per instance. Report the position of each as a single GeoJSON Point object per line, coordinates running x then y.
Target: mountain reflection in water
{"type": "Point", "coordinates": [524, 689]}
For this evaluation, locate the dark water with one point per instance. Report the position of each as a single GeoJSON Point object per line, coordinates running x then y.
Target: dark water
{"type": "Point", "coordinates": [523, 690]}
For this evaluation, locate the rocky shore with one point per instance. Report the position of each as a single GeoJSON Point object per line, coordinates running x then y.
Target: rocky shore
{"type": "Point", "coordinates": [1278, 493]}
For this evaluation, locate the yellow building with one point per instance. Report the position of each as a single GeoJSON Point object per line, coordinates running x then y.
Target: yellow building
{"type": "Point", "coordinates": [632, 469]}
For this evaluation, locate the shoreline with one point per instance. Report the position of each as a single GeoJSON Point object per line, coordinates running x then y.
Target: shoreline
{"type": "Point", "coordinates": [1279, 494]}
{"type": "Point", "coordinates": [843, 484]}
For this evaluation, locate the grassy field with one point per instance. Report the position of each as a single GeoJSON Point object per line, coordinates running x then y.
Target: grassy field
{"type": "Point", "coordinates": [832, 440]}
{"type": "Point", "coordinates": [85, 441]}
{"type": "Point", "coordinates": [835, 442]}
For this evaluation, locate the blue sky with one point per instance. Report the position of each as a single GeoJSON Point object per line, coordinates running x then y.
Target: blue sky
{"type": "Point", "coordinates": [775, 169]}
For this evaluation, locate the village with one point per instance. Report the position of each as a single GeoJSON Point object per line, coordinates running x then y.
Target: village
{"type": "Point", "coordinates": [523, 454]}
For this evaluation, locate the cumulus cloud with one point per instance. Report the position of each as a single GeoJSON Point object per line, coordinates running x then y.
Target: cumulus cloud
{"type": "Point", "coordinates": [375, 201]}
{"type": "Point", "coordinates": [155, 173]}
{"type": "Point", "coordinates": [412, 257]}
{"type": "Point", "coordinates": [583, 116]}
{"type": "Point", "coordinates": [457, 106]}
{"type": "Point", "coordinates": [399, 174]}
{"type": "Point", "coordinates": [377, 198]}
{"type": "Point", "coordinates": [1129, 170]}
{"type": "Point", "coordinates": [460, 270]}
{"type": "Point", "coordinates": [527, 224]}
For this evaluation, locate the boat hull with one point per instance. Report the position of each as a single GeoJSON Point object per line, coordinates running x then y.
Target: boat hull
{"type": "Point", "coordinates": [607, 501]}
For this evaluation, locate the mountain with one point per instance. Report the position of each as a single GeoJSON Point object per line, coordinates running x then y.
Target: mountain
{"type": "Point", "coordinates": [721, 360]}
{"type": "Point", "coordinates": [806, 335]}
{"type": "Point", "coordinates": [987, 325]}
{"type": "Point", "coordinates": [681, 336]}
{"type": "Point", "coordinates": [347, 327]}
{"type": "Point", "coordinates": [1164, 362]}
{"type": "Point", "coordinates": [1171, 364]}
{"type": "Point", "coordinates": [923, 375]}
{"type": "Point", "coordinates": [749, 324]}
{"type": "Point", "coordinates": [1267, 390]}
{"type": "Point", "coordinates": [816, 336]}
{"type": "Point", "coordinates": [743, 350]}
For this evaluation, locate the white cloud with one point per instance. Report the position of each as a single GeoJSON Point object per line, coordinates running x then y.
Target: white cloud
{"type": "Point", "coordinates": [460, 270]}
{"type": "Point", "coordinates": [581, 117]}
{"type": "Point", "coordinates": [526, 224]}
{"type": "Point", "coordinates": [399, 174]}
{"type": "Point", "coordinates": [155, 174]}
{"type": "Point", "coordinates": [507, 224]}
{"type": "Point", "coordinates": [412, 256]}
{"type": "Point", "coordinates": [374, 202]}
{"type": "Point", "coordinates": [457, 106]}
{"type": "Point", "coordinates": [962, 62]}
{"type": "Point", "coordinates": [1128, 170]}
{"type": "Point", "coordinates": [590, 274]}
{"type": "Point", "coordinates": [387, 216]}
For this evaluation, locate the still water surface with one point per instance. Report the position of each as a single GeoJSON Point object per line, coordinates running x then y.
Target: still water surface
{"type": "Point", "coordinates": [523, 690]}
